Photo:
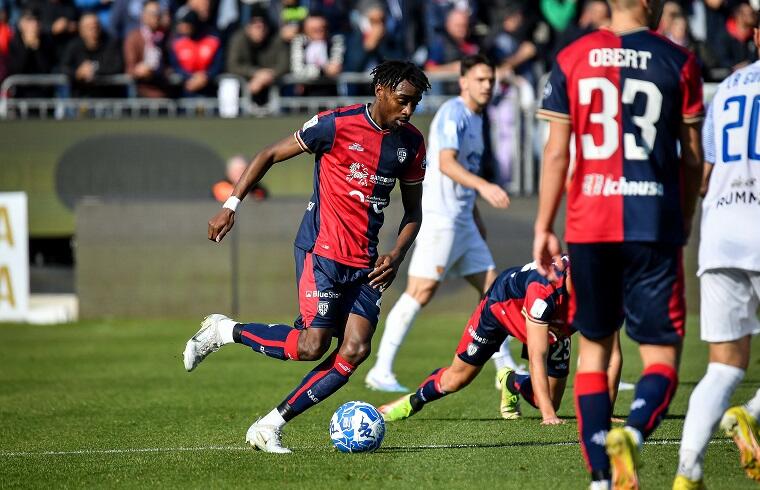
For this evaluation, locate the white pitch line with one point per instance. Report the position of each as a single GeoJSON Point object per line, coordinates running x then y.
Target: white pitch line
{"type": "Point", "coordinates": [8, 454]}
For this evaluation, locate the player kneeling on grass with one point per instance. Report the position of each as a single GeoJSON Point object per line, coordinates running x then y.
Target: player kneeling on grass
{"type": "Point", "coordinates": [527, 306]}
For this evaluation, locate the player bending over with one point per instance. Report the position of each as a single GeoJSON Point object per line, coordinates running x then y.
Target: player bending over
{"type": "Point", "coordinates": [361, 151]}
{"type": "Point", "coordinates": [523, 304]}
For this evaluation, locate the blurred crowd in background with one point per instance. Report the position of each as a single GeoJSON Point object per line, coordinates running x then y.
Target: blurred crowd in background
{"type": "Point", "coordinates": [176, 49]}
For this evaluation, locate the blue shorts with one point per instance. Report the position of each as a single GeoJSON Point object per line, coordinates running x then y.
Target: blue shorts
{"type": "Point", "coordinates": [639, 282]}
{"type": "Point", "coordinates": [484, 334]}
{"type": "Point", "coordinates": [329, 291]}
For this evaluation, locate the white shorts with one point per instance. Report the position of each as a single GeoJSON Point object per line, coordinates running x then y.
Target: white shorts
{"type": "Point", "coordinates": [729, 301]}
{"type": "Point", "coordinates": [442, 250]}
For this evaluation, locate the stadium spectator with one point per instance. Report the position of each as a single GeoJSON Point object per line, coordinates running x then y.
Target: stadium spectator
{"type": "Point", "coordinates": [436, 13]}
{"type": "Point", "coordinates": [102, 8]}
{"type": "Point", "coordinates": [510, 49]}
{"type": "Point", "coordinates": [90, 55]}
{"type": "Point", "coordinates": [202, 9]}
{"type": "Point", "coordinates": [196, 55]}
{"type": "Point", "coordinates": [58, 19]}
{"type": "Point", "coordinates": [316, 54]}
{"type": "Point", "coordinates": [559, 13]}
{"type": "Point", "coordinates": [670, 10]}
{"type": "Point", "coordinates": [734, 47]}
{"type": "Point", "coordinates": [145, 53]}
{"type": "Point", "coordinates": [5, 38]}
{"type": "Point", "coordinates": [236, 165]}
{"type": "Point", "coordinates": [335, 12]}
{"type": "Point", "coordinates": [290, 16]}
{"type": "Point", "coordinates": [31, 53]}
{"type": "Point", "coordinates": [127, 15]}
{"type": "Point", "coordinates": [371, 45]}
{"type": "Point", "coordinates": [451, 45]}
{"type": "Point", "coordinates": [259, 55]}
{"type": "Point", "coordinates": [595, 14]}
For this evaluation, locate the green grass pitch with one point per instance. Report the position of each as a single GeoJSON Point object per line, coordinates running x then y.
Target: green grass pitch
{"type": "Point", "coordinates": [108, 404]}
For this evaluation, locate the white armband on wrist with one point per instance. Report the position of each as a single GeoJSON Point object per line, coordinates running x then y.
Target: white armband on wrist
{"type": "Point", "coordinates": [231, 203]}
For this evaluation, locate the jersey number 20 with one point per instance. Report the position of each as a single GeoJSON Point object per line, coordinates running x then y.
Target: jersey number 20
{"type": "Point", "coordinates": [741, 101]}
{"type": "Point", "coordinates": [607, 117]}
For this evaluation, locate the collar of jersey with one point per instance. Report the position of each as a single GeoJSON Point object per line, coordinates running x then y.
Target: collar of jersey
{"type": "Point", "coordinates": [372, 121]}
{"type": "Point", "coordinates": [623, 33]}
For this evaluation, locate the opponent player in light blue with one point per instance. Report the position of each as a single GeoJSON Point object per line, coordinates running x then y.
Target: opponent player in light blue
{"type": "Point", "coordinates": [729, 272]}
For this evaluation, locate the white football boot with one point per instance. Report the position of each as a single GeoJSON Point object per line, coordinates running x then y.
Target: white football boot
{"type": "Point", "coordinates": [384, 381]}
{"type": "Point", "coordinates": [204, 342]}
{"type": "Point", "coordinates": [267, 438]}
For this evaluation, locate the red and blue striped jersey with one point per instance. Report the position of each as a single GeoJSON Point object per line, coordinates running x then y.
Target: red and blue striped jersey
{"type": "Point", "coordinates": [521, 292]}
{"type": "Point", "coordinates": [626, 96]}
{"type": "Point", "coordinates": [356, 167]}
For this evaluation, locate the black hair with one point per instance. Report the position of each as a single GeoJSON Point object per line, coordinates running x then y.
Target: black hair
{"type": "Point", "coordinates": [392, 72]}
{"type": "Point", "coordinates": [470, 61]}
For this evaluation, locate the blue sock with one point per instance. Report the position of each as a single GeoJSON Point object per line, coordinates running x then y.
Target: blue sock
{"type": "Point", "coordinates": [593, 409]}
{"type": "Point", "coordinates": [321, 382]}
{"type": "Point", "coordinates": [278, 341]}
{"type": "Point", "coordinates": [429, 390]}
{"type": "Point", "coordinates": [652, 398]}
{"type": "Point", "coordinates": [520, 384]}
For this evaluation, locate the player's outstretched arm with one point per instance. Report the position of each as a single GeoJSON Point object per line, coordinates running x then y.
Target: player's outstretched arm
{"type": "Point", "coordinates": [691, 159]}
{"type": "Point", "coordinates": [223, 221]}
{"type": "Point", "coordinates": [451, 168]}
{"type": "Point", "coordinates": [386, 266]}
{"type": "Point", "coordinates": [546, 245]}
{"type": "Point", "coordinates": [538, 348]}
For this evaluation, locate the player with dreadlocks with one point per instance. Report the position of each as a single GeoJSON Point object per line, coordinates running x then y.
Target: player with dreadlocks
{"type": "Point", "coordinates": [360, 151]}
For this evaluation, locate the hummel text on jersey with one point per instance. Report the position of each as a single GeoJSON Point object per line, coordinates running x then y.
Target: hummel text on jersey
{"type": "Point", "coordinates": [620, 57]}
{"type": "Point", "coordinates": [601, 185]}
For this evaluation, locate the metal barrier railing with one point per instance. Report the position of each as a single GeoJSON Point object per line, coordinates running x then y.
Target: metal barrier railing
{"type": "Point", "coordinates": [525, 152]}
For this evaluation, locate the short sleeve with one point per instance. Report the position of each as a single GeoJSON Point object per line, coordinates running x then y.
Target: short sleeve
{"type": "Point", "coordinates": [555, 105]}
{"type": "Point", "coordinates": [692, 105]}
{"type": "Point", "coordinates": [708, 136]}
{"type": "Point", "coordinates": [317, 134]}
{"type": "Point", "coordinates": [539, 305]}
{"type": "Point", "coordinates": [415, 173]}
{"type": "Point", "coordinates": [450, 129]}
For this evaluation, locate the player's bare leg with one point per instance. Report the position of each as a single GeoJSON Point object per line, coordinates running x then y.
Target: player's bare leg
{"type": "Point", "coordinates": [441, 382]}
{"type": "Point", "coordinates": [272, 340]}
{"type": "Point", "coordinates": [419, 291]}
{"type": "Point", "coordinates": [324, 380]}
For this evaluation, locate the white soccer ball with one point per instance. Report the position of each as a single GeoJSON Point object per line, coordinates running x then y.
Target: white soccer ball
{"type": "Point", "coordinates": [357, 427]}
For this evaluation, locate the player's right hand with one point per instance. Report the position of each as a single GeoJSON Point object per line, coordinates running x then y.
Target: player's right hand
{"type": "Point", "coordinates": [220, 224]}
{"type": "Point", "coordinates": [547, 252]}
{"type": "Point", "coordinates": [494, 195]}
{"type": "Point", "coordinates": [554, 420]}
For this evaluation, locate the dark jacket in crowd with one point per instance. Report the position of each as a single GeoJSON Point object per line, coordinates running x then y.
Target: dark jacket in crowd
{"type": "Point", "coordinates": [108, 58]}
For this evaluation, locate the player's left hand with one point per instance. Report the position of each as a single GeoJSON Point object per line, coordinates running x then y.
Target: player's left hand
{"type": "Point", "coordinates": [552, 421]}
{"type": "Point", "coordinates": [547, 252]}
{"type": "Point", "coordinates": [386, 268]}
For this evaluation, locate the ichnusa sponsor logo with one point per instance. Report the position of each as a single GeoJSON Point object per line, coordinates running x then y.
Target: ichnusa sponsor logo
{"type": "Point", "coordinates": [605, 185]}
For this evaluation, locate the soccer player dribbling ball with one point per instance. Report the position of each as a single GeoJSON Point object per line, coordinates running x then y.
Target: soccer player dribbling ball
{"type": "Point", "coordinates": [360, 153]}
{"type": "Point", "coordinates": [729, 273]}
{"type": "Point", "coordinates": [630, 97]}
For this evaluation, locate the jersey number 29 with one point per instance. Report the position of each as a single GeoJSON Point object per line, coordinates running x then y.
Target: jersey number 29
{"type": "Point", "coordinates": [607, 117]}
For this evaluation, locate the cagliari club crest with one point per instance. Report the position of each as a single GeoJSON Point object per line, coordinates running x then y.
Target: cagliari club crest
{"type": "Point", "coordinates": [472, 348]}
{"type": "Point", "coordinates": [322, 307]}
{"type": "Point", "coordinates": [401, 153]}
